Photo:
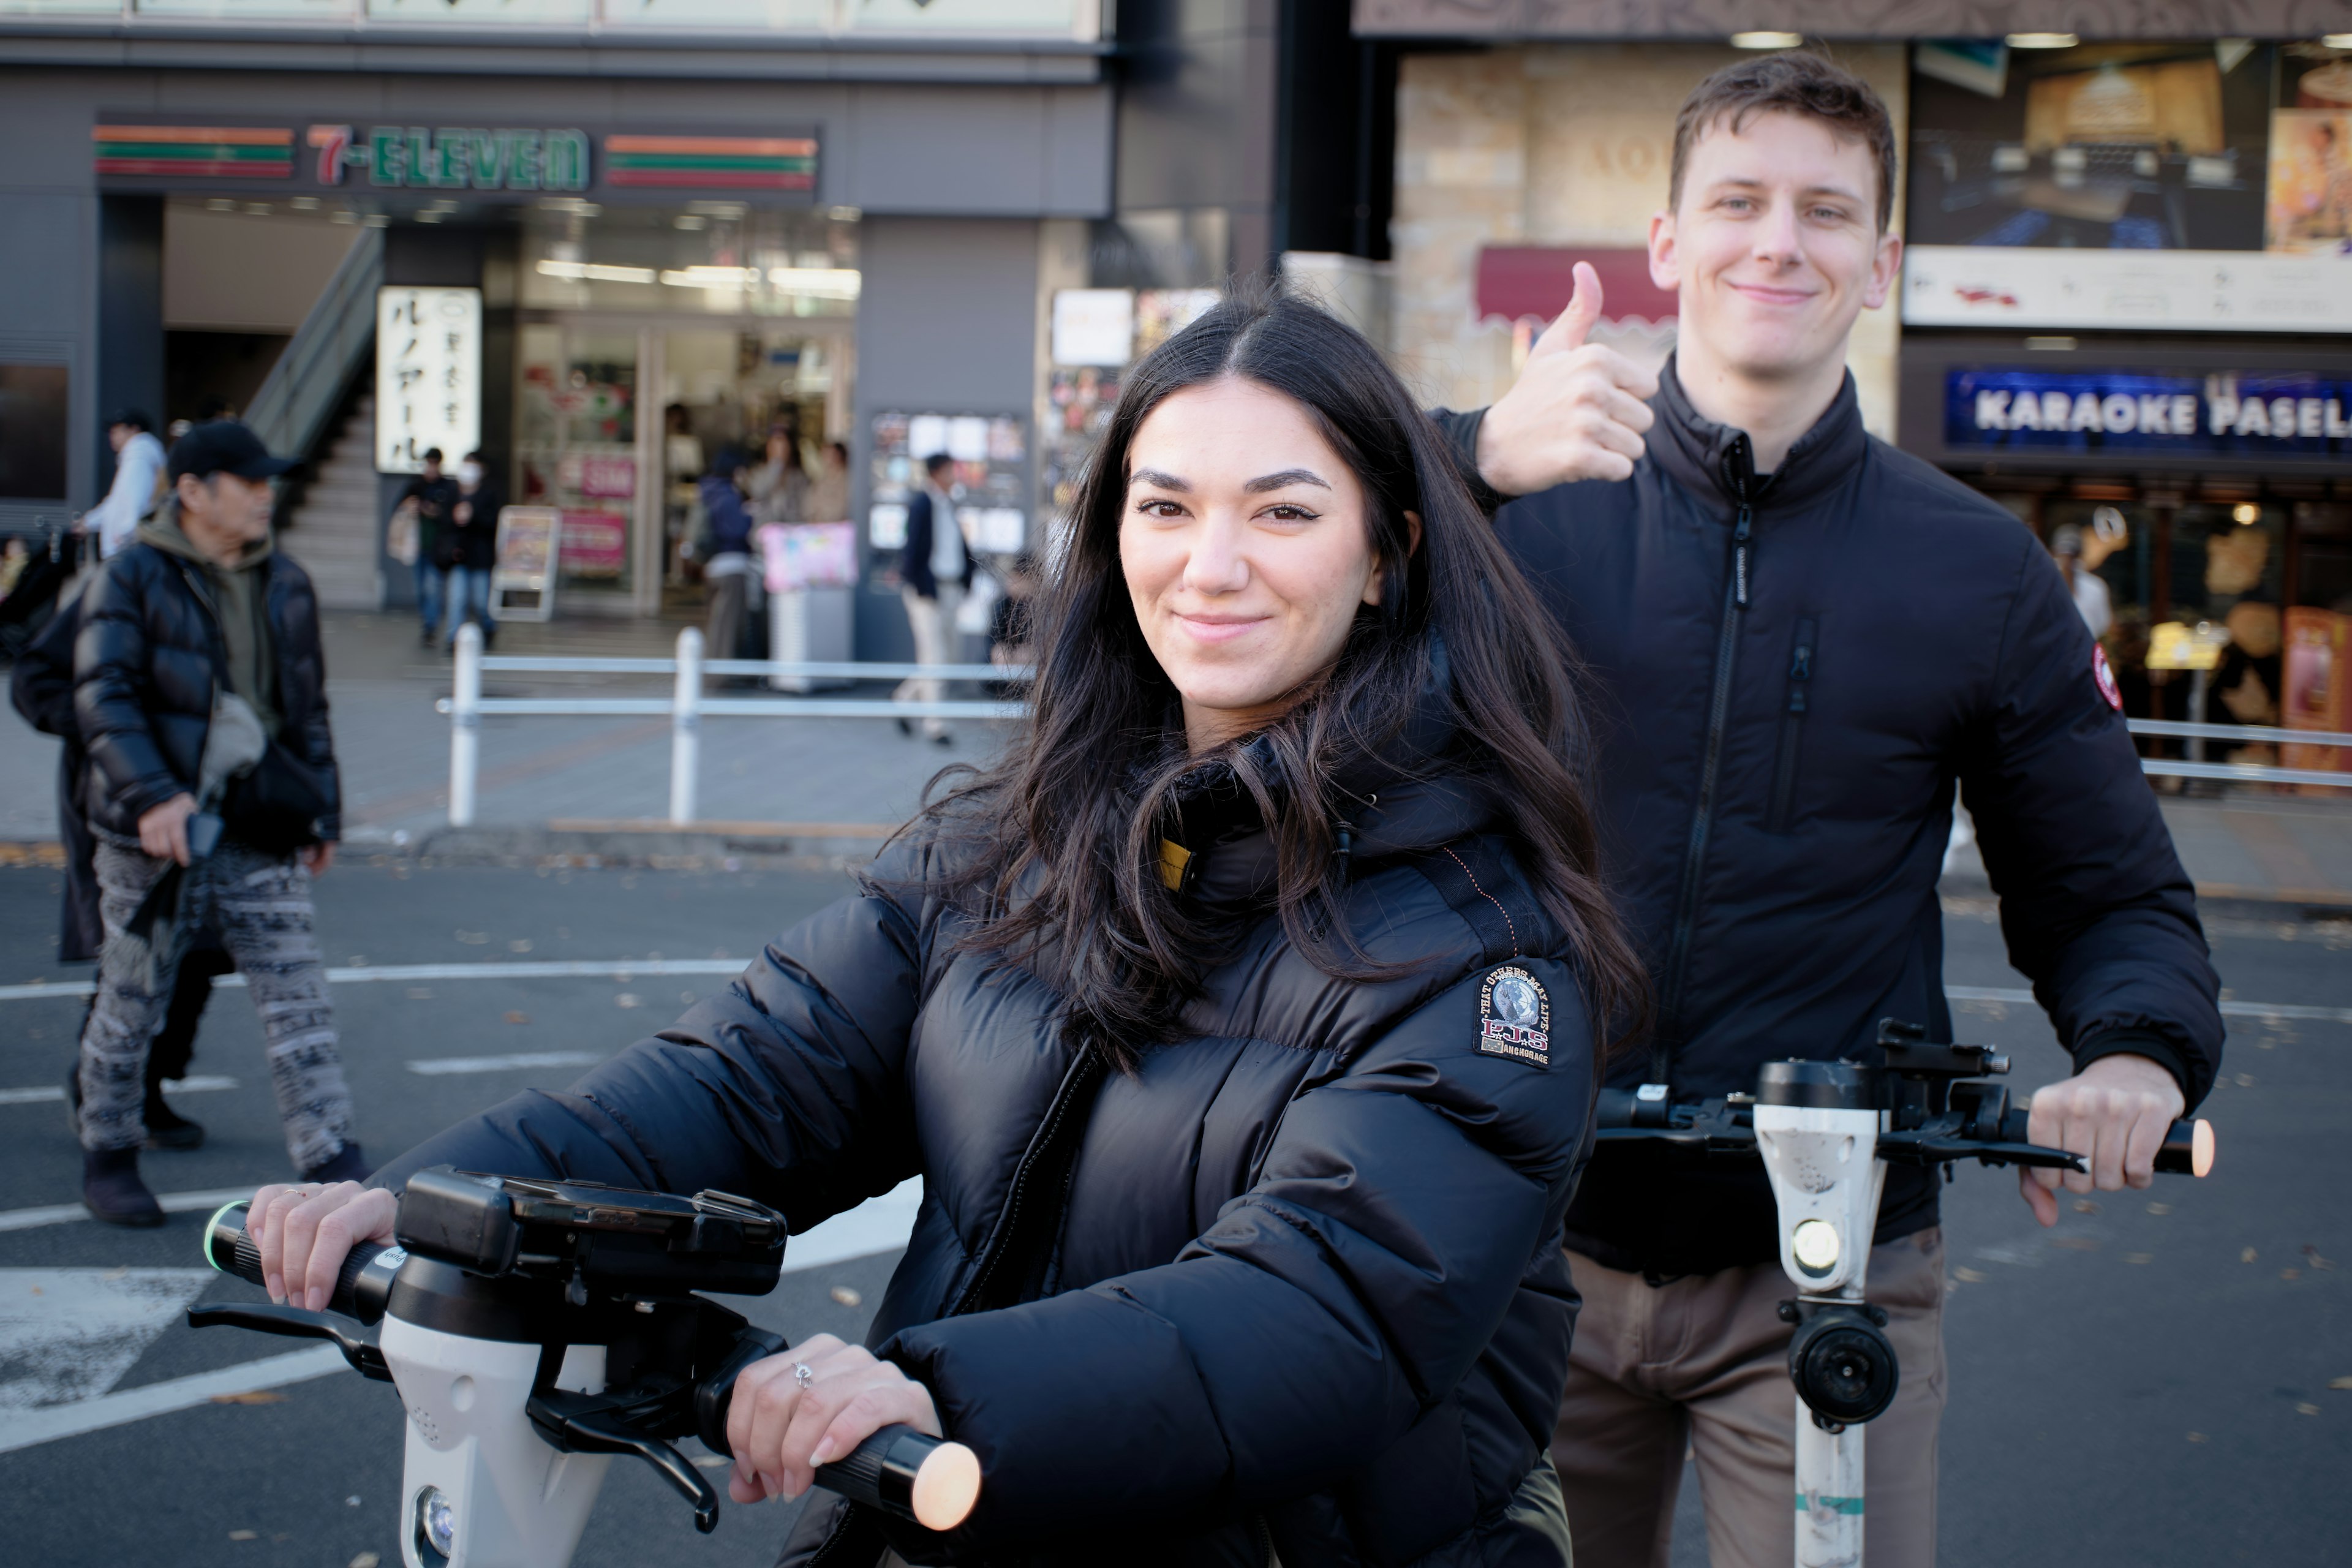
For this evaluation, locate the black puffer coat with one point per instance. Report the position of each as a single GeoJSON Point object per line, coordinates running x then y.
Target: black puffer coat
{"type": "Point", "coordinates": [147, 664]}
{"type": "Point", "coordinates": [1305, 1293]}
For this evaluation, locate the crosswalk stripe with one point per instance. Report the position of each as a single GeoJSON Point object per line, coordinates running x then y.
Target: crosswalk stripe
{"type": "Point", "coordinates": [2233, 1008]}
{"type": "Point", "coordinates": [437, 1067]}
{"type": "Point", "coordinates": [523, 968]}
{"type": "Point", "coordinates": [23, 1428]}
{"type": "Point", "coordinates": [195, 1083]}
{"type": "Point", "coordinates": [174, 1203]}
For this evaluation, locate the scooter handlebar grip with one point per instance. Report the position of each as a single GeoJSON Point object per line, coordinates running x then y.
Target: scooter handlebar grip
{"type": "Point", "coordinates": [2188, 1149]}
{"type": "Point", "coordinates": [930, 1481]}
{"type": "Point", "coordinates": [229, 1249]}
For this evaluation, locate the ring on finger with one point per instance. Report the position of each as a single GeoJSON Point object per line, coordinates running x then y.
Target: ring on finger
{"type": "Point", "coordinates": [801, 1374]}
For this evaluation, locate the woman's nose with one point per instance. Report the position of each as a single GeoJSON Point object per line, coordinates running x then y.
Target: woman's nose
{"type": "Point", "coordinates": [1216, 564]}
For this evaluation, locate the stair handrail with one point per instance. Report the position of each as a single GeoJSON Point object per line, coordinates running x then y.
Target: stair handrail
{"type": "Point", "coordinates": [304, 388]}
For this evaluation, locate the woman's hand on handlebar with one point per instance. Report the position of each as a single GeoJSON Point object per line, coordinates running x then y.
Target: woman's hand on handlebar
{"type": "Point", "coordinates": [305, 1232]}
{"type": "Point", "coordinates": [783, 1425]}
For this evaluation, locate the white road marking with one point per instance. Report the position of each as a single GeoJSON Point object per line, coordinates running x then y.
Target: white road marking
{"type": "Point", "coordinates": [878, 1225]}
{"type": "Point", "coordinates": [69, 1334]}
{"type": "Point", "coordinates": [23, 1428]}
{"type": "Point", "coordinates": [2233, 1008]}
{"type": "Point", "coordinates": [362, 974]}
{"type": "Point", "coordinates": [436, 1066]}
{"type": "Point", "coordinates": [174, 1203]}
{"type": "Point", "coordinates": [195, 1083]}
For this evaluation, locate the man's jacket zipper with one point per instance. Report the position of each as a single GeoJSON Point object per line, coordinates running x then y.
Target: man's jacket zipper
{"type": "Point", "coordinates": [1801, 657]}
{"type": "Point", "coordinates": [1739, 473]}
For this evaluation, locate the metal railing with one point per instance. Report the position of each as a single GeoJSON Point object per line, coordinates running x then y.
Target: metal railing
{"type": "Point", "coordinates": [306, 385]}
{"type": "Point", "coordinates": [687, 707]}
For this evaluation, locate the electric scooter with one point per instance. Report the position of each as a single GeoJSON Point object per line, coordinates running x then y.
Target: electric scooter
{"type": "Point", "coordinates": [535, 1329]}
{"type": "Point", "coordinates": [1826, 1131]}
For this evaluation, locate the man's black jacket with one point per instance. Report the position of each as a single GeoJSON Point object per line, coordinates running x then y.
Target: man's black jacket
{"type": "Point", "coordinates": [146, 666]}
{"type": "Point", "coordinates": [1790, 674]}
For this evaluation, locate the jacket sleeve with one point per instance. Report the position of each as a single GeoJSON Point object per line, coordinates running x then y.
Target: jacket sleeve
{"type": "Point", "coordinates": [915, 556]}
{"type": "Point", "coordinates": [2094, 906]}
{"type": "Point", "coordinates": [1398, 1208]}
{"type": "Point", "coordinates": [788, 1088]}
{"type": "Point", "coordinates": [42, 686]}
{"type": "Point", "coordinates": [1460, 434]}
{"type": "Point", "coordinates": [110, 690]}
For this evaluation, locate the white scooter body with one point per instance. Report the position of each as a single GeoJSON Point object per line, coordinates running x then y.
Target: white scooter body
{"type": "Point", "coordinates": [516, 1502]}
{"type": "Point", "coordinates": [1825, 1172]}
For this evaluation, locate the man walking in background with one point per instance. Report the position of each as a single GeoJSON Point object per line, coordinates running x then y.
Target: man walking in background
{"type": "Point", "coordinates": [200, 695]}
{"type": "Point", "coordinates": [934, 570]}
{"type": "Point", "coordinates": [432, 493]}
{"type": "Point", "coordinates": [473, 547]}
{"type": "Point", "coordinates": [138, 467]}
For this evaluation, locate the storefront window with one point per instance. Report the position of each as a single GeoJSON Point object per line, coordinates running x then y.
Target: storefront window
{"type": "Point", "coordinates": [719, 257]}
{"type": "Point", "coordinates": [576, 422]}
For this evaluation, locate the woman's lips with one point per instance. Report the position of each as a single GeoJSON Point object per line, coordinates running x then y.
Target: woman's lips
{"type": "Point", "coordinates": [1218, 628]}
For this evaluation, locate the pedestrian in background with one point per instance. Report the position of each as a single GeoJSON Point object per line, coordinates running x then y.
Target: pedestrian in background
{"type": "Point", "coordinates": [473, 547]}
{"type": "Point", "coordinates": [934, 570]}
{"type": "Point", "coordinates": [138, 473]}
{"type": "Point", "coordinates": [432, 493]}
{"type": "Point", "coordinates": [726, 552]}
{"type": "Point", "coordinates": [779, 487]}
{"type": "Point", "coordinates": [200, 696]}
{"type": "Point", "coordinates": [828, 493]}
{"type": "Point", "coordinates": [2087, 588]}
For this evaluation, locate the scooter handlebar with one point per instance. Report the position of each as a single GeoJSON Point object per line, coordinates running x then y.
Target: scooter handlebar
{"type": "Point", "coordinates": [2187, 1151]}
{"type": "Point", "coordinates": [361, 1287]}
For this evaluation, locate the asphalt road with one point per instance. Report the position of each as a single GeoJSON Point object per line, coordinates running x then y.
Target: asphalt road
{"type": "Point", "coordinates": [2151, 1382]}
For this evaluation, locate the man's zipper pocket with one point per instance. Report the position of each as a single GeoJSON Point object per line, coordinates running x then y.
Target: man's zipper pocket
{"type": "Point", "coordinates": [1803, 656]}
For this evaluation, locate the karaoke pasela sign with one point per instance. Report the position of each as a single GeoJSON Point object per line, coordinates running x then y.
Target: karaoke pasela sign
{"type": "Point", "coordinates": [2269, 414]}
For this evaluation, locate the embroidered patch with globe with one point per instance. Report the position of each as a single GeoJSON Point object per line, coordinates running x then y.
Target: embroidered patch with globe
{"type": "Point", "coordinates": [1514, 1016]}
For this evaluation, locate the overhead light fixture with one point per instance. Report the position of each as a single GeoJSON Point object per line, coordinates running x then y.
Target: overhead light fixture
{"type": "Point", "coordinates": [2337, 40]}
{"type": "Point", "coordinates": [711, 277]}
{"type": "Point", "coordinates": [2246, 511]}
{"type": "Point", "coordinates": [592, 272]}
{"type": "Point", "coordinates": [824, 282]}
{"type": "Point", "coordinates": [2042, 40]}
{"type": "Point", "coordinates": [1767, 40]}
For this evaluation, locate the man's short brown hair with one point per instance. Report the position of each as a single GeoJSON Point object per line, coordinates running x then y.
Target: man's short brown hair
{"type": "Point", "coordinates": [1798, 82]}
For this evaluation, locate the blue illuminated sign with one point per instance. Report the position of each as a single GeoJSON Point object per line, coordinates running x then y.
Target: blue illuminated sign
{"type": "Point", "coordinates": [2289, 413]}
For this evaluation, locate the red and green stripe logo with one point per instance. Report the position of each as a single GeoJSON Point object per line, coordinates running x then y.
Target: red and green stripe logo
{"type": "Point", "coordinates": [713, 162]}
{"type": "Point", "coordinates": [235, 152]}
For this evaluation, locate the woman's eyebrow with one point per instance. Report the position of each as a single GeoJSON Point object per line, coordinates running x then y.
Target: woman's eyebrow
{"type": "Point", "coordinates": [1287, 477]}
{"type": "Point", "coordinates": [1154, 476]}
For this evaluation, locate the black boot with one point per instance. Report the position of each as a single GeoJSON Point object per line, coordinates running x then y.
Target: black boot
{"type": "Point", "coordinates": [347, 1165]}
{"type": "Point", "coordinates": [166, 1128]}
{"type": "Point", "coordinates": [112, 1190]}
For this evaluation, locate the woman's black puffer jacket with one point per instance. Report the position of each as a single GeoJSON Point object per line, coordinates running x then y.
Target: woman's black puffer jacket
{"type": "Point", "coordinates": [1294, 1286]}
{"type": "Point", "coordinates": [147, 663]}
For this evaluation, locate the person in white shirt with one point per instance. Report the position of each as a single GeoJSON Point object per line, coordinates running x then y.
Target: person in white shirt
{"type": "Point", "coordinates": [2090, 590]}
{"type": "Point", "coordinates": [138, 464]}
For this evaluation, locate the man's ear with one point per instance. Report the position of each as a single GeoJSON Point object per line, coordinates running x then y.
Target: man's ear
{"type": "Point", "coordinates": [1884, 267]}
{"type": "Point", "coordinates": [192, 492]}
{"type": "Point", "coordinates": [1665, 266]}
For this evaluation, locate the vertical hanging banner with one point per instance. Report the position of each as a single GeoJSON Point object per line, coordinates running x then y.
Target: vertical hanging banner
{"type": "Point", "coordinates": [428, 375]}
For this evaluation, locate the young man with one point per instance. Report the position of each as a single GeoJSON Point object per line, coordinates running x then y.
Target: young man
{"type": "Point", "coordinates": [197, 633]}
{"type": "Point", "coordinates": [472, 534]}
{"type": "Point", "coordinates": [1803, 640]}
{"type": "Point", "coordinates": [434, 493]}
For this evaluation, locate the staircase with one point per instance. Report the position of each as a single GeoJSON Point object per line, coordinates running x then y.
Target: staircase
{"type": "Point", "coordinates": [334, 530]}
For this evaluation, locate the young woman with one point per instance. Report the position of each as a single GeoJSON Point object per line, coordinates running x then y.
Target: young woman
{"type": "Point", "coordinates": [1241, 1024]}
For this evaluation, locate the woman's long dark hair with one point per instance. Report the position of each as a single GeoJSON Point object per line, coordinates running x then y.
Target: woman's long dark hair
{"type": "Point", "coordinates": [1054, 852]}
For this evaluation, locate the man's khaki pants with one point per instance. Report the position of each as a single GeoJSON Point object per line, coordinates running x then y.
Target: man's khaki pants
{"type": "Point", "coordinates": [1702, 1362]}
{"type": "Point", "coordinates": [933, 620]}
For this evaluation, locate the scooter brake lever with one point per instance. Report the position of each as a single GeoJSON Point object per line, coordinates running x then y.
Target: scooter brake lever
{"type": "Point", "coordinates": [365, 1356]}
{"type": "Point", "coordinates": [586, 1424]}
{"type": "Point", "coordinates": [1923, 1149]}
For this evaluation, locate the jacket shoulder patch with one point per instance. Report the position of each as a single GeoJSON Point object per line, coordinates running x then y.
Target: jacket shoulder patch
{"type": "Point", "coordinates": [1514, 1016]}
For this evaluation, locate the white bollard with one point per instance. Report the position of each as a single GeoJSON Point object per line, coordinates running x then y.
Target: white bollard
{"type": "Point", "coordinates": [684, 726]}
{"type": "Point", "coordinates": [465, 725]}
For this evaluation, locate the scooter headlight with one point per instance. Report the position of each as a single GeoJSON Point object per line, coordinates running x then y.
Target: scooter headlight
{"type": "Point", "coordinates": [437, 1526]}
{"type": "Point", "coordinates": [1815, 1244]}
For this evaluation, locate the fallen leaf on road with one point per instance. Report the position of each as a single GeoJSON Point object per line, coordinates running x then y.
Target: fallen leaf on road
{"type": "Point", "coordinates": [351, 1502]}
{"type": "Point", "coordinates": [1968, 1276]}
{"type": "Point", "coordinates": [513, 1017]}
{"type": "Point", "coordinates": [366, 1559]}
{"type": "Point", "coordinates": [2245, 1080]}
{"type": "Point", "coordinates": [2311, 1255]}
{"type": "Point", "coordinates": [845, 1296]}
{"type": "Point", "coordinates": [2075, 1243]}
{"type": "Point", "coordinates": [2306, 1410]}
{"type": "Point", "coordinates": [2159, 1208]}
{"type": "Point", "coordinates": [245, 1535]}
{"type": "Point", "coordinates": [521, 944]}
{"type": "Point", "coordinates": [2343, 1382]}
{"type": "Point", "coordinates": [251, 1396]}
{"type": "Point", "coordinates": [2084, 1206]}
{"type": "Point", "coordinates": [420, 993]}
{"type": "Point", "coordinates": [712, 1461]}
{"type": "Point", "coordinates": [473, 938]}
{"type": "Point", "coordinates": [2198, 1438]}
{"type": "Point", "coordinates": [2140, 1257]}
{"type": "Point", "coordinates": [626, 999]}
{"type": "Point", "coordinates": [124, 1272]}
{"type": "Point", "coordinates": [2247, 1255]}
{"type": "Point", "coordinates": [2289, 1273]}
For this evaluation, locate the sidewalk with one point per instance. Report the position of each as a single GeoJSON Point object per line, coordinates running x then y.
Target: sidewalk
{"type": "Point", "coordinates": [841, 782]}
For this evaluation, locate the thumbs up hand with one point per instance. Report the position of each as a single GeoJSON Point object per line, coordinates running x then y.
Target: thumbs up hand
{"type": "Point", "coordinates": [1577, 411]}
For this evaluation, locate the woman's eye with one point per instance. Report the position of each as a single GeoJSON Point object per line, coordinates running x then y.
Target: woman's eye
{"type": "Point", "coordinates": [1288, 513]}
{"type": "Point", "coordinates": [1161, 508]}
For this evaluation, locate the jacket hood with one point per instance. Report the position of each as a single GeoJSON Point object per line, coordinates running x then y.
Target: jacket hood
{"type": "Point", "coordinates": [162, 530]}
{"type": "Point", "coordinates": [1714, 462]}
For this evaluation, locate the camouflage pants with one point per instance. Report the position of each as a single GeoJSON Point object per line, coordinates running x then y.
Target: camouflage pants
{"type": "Point", "coordinates": [261, 906]}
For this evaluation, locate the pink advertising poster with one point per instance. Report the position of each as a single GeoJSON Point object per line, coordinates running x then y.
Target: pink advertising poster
{"type": "Point", "coordinates": [594, 543]}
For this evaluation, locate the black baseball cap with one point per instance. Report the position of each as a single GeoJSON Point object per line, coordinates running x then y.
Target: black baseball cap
{"type": "Point", "coordinates": [224, 447]}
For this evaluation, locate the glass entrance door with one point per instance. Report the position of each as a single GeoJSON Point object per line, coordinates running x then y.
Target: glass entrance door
{"type": "Point", "coordinates": [577, 449]}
